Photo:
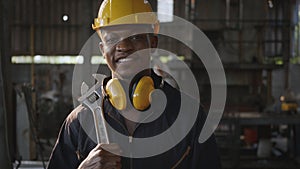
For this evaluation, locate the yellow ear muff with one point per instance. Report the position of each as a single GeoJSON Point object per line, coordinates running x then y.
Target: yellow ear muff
{"type": "Point", "coordinates": [116, 94]}
{"type": "Point", "coordinates": [141, 95]}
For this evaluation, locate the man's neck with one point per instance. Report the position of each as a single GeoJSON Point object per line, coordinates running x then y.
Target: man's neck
{"type": "Point", "coordinates": [131, 118]}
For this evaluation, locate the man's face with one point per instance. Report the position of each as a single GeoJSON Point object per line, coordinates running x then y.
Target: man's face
{"type": "Point", "coordinates": [126, 49]}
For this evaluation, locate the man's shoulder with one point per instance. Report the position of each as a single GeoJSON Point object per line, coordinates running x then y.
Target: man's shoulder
{"type": "Point", "coordinates": [78, 112]}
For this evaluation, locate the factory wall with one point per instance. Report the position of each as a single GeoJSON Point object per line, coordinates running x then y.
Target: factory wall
{"type": "Point", "coordinates": [236, 29]}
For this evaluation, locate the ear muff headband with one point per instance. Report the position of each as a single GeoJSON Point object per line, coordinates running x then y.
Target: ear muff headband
{"type": "Point", "coordinates": [141, 93]}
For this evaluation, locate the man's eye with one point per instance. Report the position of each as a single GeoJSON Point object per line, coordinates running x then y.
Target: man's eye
{"type": "Point", "coordinates": [112, 41]}
{"type": "Point", "coordinates": [137, 37]}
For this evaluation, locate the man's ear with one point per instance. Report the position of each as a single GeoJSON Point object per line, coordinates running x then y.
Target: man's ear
{"type": "Point", "coordinates": [101, 47]}
{"type": "Point", "coordinates": [154, 41]}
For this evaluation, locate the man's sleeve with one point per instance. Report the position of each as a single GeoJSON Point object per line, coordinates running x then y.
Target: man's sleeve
{"type": "Point", "coordinates": [64, 154]}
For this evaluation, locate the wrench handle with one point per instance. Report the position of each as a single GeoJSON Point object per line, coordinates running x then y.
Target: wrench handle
{"type": "Point", "coordinates": [100, 126]}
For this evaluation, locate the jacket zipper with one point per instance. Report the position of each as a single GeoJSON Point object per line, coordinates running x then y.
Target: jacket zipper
{"type": "Point", "coordinates": [130, 137]}
{"type": "Point", "coordinates": [130, 144]}
{"type": "Point", "coordinates": [186, 153]}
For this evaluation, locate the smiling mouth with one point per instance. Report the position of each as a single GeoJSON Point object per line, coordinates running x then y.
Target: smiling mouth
{"type": "Point", "coordinates": [123, 60]}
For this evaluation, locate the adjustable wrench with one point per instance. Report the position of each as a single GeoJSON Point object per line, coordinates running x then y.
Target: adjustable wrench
{"type": "Point", "coordinates": [93, 98]}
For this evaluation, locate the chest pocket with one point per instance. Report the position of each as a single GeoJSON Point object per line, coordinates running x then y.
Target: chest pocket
{"type": "Point", "coordinates": [182, 158]}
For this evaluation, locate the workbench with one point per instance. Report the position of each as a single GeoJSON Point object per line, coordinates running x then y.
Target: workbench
{"type": "Point", "coordinates": [236, 121]}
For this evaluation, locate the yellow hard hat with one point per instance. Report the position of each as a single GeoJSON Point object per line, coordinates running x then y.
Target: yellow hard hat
{"type": "Point", "coordinates": [119, 12]}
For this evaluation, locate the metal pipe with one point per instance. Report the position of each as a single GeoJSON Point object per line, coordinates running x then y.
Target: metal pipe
{"type": "Point", "coordinates": [4, 155]}
{"type": "Point", "coordinates": [240, 36]}
{"type": "Point", "coordinates": [187, 9]}
{"type": "Point", "coordinates": [227, 13]}
{"type": "Point", "coordinates": [287, 49]}
{"type": "Point", "coordinates": [241, 11]}
{"type": "Point", "coordinates": [276, 27]}
{"type": "Point", "coordinates": [6, 120]}
{"type": "Point", "coordinates": [298, 30]}
{"type": "Point", "coordinates": [193, 9]}
{"type": "Point", "coordinates": [269, 87]}
{"type": "Point", "coordinates": [32, 73]}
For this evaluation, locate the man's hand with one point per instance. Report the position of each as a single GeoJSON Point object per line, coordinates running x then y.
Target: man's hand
{"type": "Point", "coordinates": [100, 158]}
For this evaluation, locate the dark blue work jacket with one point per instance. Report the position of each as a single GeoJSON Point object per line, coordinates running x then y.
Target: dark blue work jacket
{"type": "Point", "coordinates": [75, 139]}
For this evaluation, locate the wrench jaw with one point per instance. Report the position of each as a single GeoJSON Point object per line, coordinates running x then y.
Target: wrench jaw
{"type": "Point", "coordinates": [96, 89]}
{"type": "Point", "coordinates": [92, 98]}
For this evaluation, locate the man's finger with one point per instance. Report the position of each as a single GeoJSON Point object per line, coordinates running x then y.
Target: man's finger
{"type": "Point", "coordinates": [107, 159]}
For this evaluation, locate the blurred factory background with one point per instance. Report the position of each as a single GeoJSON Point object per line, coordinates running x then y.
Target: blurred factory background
{"type": "Point", "coordinates": [258, 42]}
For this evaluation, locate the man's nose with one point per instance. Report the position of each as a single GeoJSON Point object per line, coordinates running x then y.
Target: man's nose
{"type": "Point", "coordinates": [124, 46]}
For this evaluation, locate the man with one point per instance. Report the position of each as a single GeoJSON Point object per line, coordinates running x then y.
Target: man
{"type": "Point", "coordinates": [127, 44]}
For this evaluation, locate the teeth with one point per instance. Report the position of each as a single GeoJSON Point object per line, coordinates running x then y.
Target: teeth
{"type": "Point", "coordinates": [125, 60]}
